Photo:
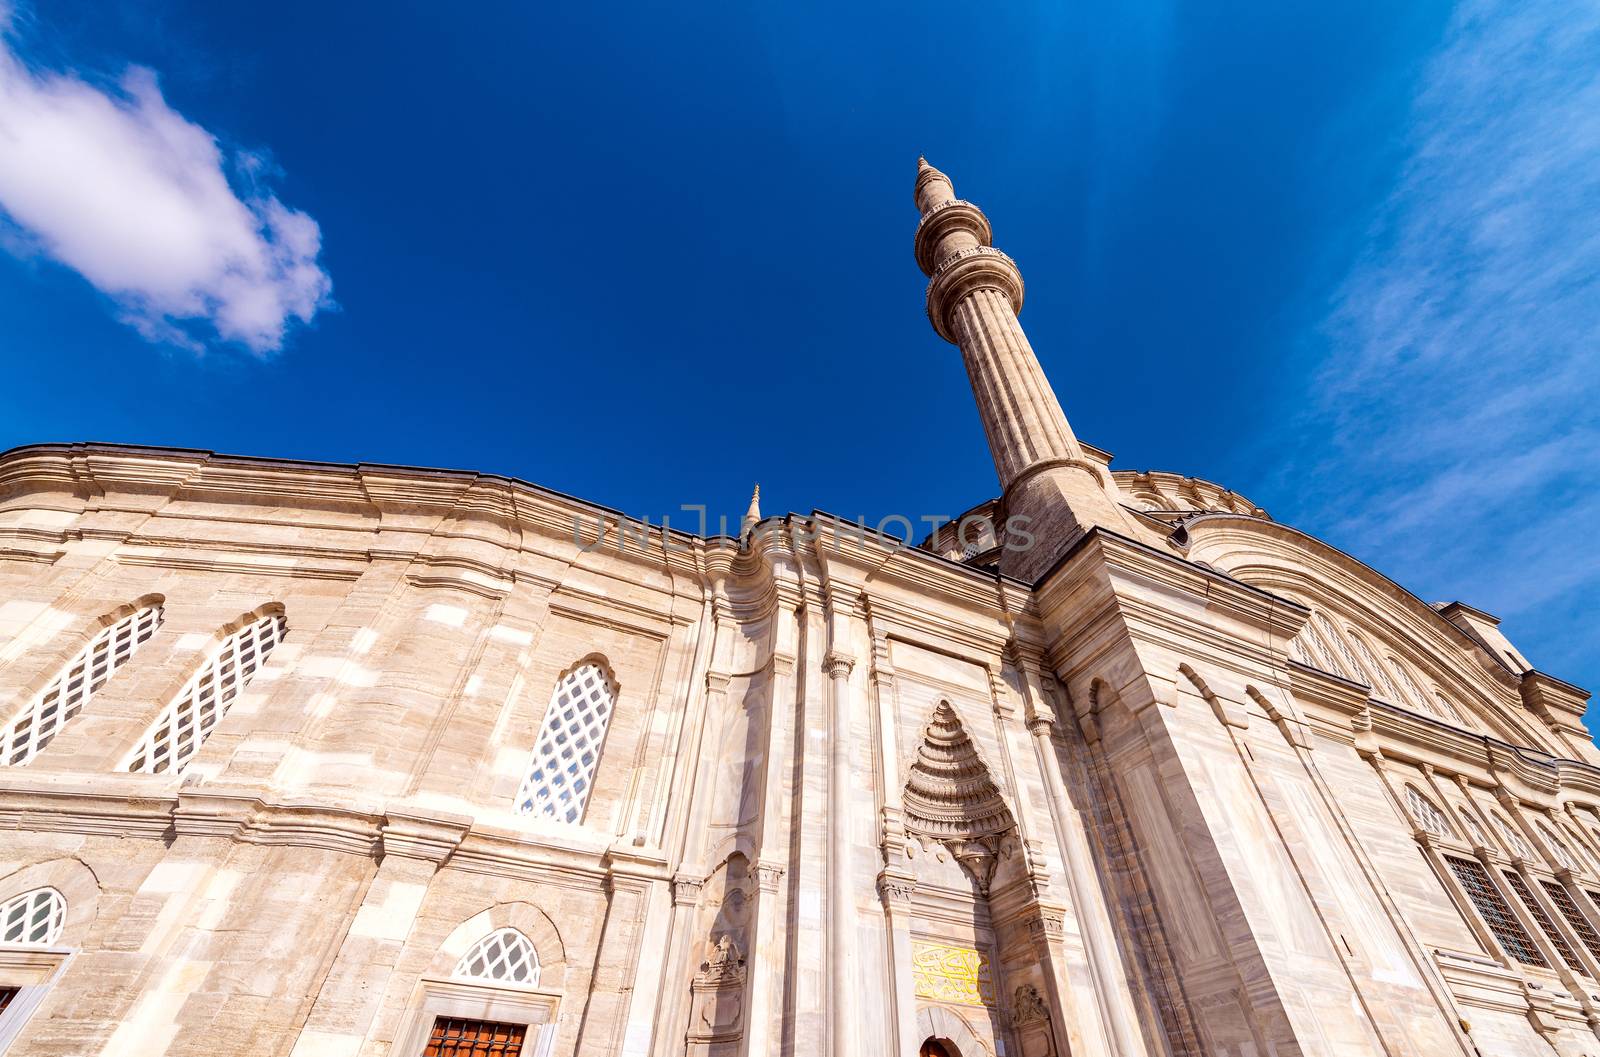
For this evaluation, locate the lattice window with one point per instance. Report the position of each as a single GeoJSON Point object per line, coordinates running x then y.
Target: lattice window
{"type": "Point", "coordinates": [72, 687]}
{"type": "Point", "coordinates": [1569, 909]}
{"type": "Point", "coordinates": [507, 956]}
{"type": "Point", "coordinates": [1536, 912]}
{"type": "Point", "coordinates": [1408, 685]}
{"type": "Point", "coordinates": [568, 750]}
{"type": "Point", "coordinates": [1377, 674]}
{"type": "Point", "coordinates": [1349, 666]}
{"type": "Point", "coordinates": [1513, 839]}
{"type": "Point", "coordinates": [183, 726]}
{"type": "Point", "coordinates": [1426, 815]}
{"type": "Point", "coordinates": [1447, 708]}
{"type": "Point", "coordinates": [1480, 839]}
{"type": "Point", "coordinates": [33, 919]}
{"type": "Point", "coordinates": [1558, 848]}
{"type": "Point", "coordinates": [1494, 910]}
{"type": "Point", "coordinates": [456, 1037]}
{"type": "Point", "coordinates": [1325, 642]}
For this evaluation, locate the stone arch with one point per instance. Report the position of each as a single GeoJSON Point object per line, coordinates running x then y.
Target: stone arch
{"type": "Point", "coordinates": [77, 885]}
{"type": "Point", "coordinates": [522, 916]}
{"type": "Point", "coordinates": [951, 1030]}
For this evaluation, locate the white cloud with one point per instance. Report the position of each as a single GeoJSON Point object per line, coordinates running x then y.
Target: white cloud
{"type": "Point", "coordinates": [1459, 405]}
{"type": "Point", "coordinates": [134, 197]}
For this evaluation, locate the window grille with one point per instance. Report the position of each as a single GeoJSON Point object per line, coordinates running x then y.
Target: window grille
{"type": "Point", "coordinates": [72, 687]}
{"type": "Point", "coordinates": [33, 919]}
{"type": "Point", "coordinates": [6, 995]}
{"type": "Point", "coordinates": [1427, 816]}
{"type": "Point", "coordinates": [183, 726]}
{"type": "Point", "coordinates": [1519, 847]}
{"type": "Point", "coordinates": [1569, 910]}
{"type": "Point", "coordinates": [1496, 914]}
{"type": "Point", "coordinates": [568, 750]}
{"type": "Point", "coordinates": [1542, 919]}
{"type": "Point", "coordinates": [506, 955]}
{"type": "Point", "coordinates": [456, 1037]}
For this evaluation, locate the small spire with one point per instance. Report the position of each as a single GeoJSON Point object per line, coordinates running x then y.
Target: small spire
{"type": "Point", "coordinates": [933, 187]}
{"type": "Point", "coordinates": [752, 516]}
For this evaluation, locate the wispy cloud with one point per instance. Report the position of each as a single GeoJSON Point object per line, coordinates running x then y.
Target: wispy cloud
{"type": "Point", "coordinates": [121, 188]}
{"type": "Point", "coordinates": [1460, 398]}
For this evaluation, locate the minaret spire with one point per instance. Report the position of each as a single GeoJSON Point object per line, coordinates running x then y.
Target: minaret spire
{"type": "Point", "coordinates": [752, 516]}
{"type": "Point", "coordinates": [974, 295]}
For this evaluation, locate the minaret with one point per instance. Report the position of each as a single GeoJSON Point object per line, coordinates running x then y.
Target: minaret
{"type": "Point", "coordinates": [974, 295]}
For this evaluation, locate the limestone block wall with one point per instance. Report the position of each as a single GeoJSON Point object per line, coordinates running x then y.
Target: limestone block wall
{"type": "Point", "coordinates": [849, 797]}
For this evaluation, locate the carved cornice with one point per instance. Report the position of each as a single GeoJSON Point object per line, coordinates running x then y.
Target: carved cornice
{"type": "Point", "coordinates": [964, 272]}
{"type": "Point", "coordinates": [944, 220]}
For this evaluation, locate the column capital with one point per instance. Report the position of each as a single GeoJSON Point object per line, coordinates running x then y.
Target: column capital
{"type": "Point", "coordinates": [838, 665]}
{"type": "Point", "coordinates": [686, 890]}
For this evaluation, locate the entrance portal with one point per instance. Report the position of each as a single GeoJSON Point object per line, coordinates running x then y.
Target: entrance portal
{"type": "Point", "coordinates": [935, 1048]}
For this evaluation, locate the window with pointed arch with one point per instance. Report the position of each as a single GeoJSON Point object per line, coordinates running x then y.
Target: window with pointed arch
{"type": "Point", "coordinates": [31, 924]}
{"type": "Point", "coordinates": [33, 919]}
{"type": "Point", "coordinates": [504, 956]}
{"type": "Point", "coordinates": [42, 718]}
{"type": "Point", "coordinates": [176, 735]}
{"type": "Point", "coordinates": [1377, 674]}
{"type": "Point", "coordinates": [1427, 817]}
{"type": "Point", "coordinates": [567, 753]}
{"type": "Point", "coordinates": [1513, 839]}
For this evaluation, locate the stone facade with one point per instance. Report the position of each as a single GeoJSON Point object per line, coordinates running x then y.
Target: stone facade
{"type": "Point", "coordinates": [1173, 780]}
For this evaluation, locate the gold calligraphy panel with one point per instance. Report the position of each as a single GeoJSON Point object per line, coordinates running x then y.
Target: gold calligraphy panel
{"type": "Point", "coordinates": [958, 975]}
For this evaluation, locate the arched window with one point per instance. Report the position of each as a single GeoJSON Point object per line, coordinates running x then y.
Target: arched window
{"type": "Point", "coordinates": [1559, 849]}
{"type": "Point", "coordinates": [1377, 674]}
{"type": "Point", "coordinates": [1428, 817]}
{"type": "Point", "coordinates": [1518, 846]}
{"type": "Point", "coordinates": [1414, 697]}
{"type": "Point", "coordinates": [33, 919]}
{"type": "Point", "coordinates": [183, 726]}
{"type": "Point", "coordinates": [506, 956]}
{"type": "Point", "coordinates": [1447, 708]}
{"type": "Point", "coordinates": [1344, 663]}
{"type": "Point", "coordinates": [1480, 839]}
{"type": "Point", "coordinates": [561, 772]}
{"type": "Point", "coordinates": [66, 694]}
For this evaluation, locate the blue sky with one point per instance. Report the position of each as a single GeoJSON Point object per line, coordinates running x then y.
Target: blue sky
{"type": "Point", "coordinates": [1340, 257]}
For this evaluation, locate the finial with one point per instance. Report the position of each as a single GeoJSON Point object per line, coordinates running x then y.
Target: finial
{"type": "Point", "coordinates": [752, 516]}
{"type": "Point", "coordinates": [933, 187]}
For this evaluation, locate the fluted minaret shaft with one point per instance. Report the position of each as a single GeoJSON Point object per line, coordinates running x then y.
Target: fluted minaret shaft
{"type": "Point", "coordinates": [974, 295]}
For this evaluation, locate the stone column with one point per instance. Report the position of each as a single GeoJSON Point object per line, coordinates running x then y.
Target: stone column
{"type": "Point", "coordinates": [974, 295]}
{"type": "Point", "coordinates": [764, 962]}
{"type": "Point", "coordinates": [895, 888]}
{"type": "Point", "coordinates": [841, 900]}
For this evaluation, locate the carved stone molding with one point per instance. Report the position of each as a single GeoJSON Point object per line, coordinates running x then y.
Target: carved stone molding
{"type": "Point", "coordinates": [896, 889]}
{"type": "Point", "coordinates": [768, 876]}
